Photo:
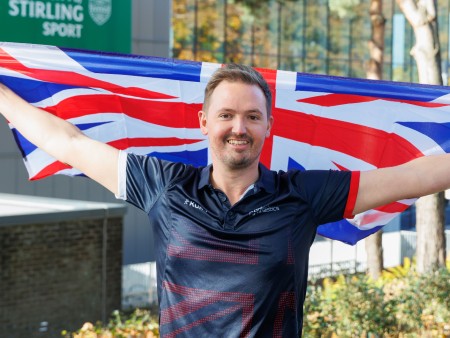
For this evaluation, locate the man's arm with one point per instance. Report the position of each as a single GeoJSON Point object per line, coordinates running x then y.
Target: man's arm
{"type": "Point", "coordinates": [61, 139]}
{"type": "Point", "coordinates": [419, 177]}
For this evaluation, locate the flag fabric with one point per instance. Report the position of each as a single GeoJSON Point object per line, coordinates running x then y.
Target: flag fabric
{"type": "Point", "coordinates": [149, 105]}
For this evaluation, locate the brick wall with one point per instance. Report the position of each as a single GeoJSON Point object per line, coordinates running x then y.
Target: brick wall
{"type": "Point", "coordinates": [53, 273]}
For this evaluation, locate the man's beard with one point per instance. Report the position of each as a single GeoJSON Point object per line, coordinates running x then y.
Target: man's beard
{"type": "Point", "coordinates": [239, 160]}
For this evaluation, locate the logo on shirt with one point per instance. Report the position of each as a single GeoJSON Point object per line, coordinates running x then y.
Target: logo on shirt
{"type": "Point", "coordinates": [262, 209]}
{"type": "Point", "coordinates": [194, 205]}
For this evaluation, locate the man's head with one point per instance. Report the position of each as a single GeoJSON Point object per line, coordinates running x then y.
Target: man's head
{"type": "Point", "coordinates": [238, 73]}
{"type": "Point", "coordinates": [236, 117]}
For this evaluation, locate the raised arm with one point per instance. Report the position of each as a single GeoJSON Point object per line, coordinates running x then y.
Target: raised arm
{"type": "Point", "coordinates": [419, 177]}
{"type": "Point", "coordinates": [61, 139]}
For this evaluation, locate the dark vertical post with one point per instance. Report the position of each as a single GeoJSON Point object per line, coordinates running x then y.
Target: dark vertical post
{"type": "Point", "coordinates": [195, 29]}
{"type": "Point", "coordinates": [280, 7]}
{"type": "Point", "coordinates": [225, 28]}
{"type": "Point", "coordinates": [350, 46]}
{"type": "Point", "coordinates": [327, 52]}
{"type": "Point", "coordinates": [304, 38]}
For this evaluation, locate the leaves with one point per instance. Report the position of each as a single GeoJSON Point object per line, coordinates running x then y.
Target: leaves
{"type": "Point", "coordinates": [344, 8]}
{"type": "Point", "coordinates": [139, 324]}
{"type": "Point", "coordinates": [400, 303]}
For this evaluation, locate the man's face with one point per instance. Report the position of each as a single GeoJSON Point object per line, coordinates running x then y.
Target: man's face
{"type": "Point", "coordinates": [236, 124]}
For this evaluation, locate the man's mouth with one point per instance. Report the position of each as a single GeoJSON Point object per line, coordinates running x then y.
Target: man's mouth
{"type": "Point", "coordinates": [238, 142]}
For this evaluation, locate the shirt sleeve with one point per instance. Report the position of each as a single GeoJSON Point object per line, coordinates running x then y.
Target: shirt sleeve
{"type": "Point", "coordinates": [122, 176]}
{"type": "Point", "coordinates": [146, 179]}
{"type": "Point", "coordinates": [330, 194]}
{"type": "Point", "coordinates": [352, 194]}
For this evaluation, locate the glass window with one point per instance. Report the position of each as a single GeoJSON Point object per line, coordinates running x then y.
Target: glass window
{"type": "Point", "coordinates": [298, 35]}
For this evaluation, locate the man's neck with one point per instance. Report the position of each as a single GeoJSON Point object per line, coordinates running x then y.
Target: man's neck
{"type": "Point", "coordinates": [234, 183]}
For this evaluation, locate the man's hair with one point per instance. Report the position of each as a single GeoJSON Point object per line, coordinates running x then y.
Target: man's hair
{"type": "Point", "coordinates": [237, 73]}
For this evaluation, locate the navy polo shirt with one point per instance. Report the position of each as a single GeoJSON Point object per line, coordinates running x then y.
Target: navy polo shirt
{"type": "Point", "coordinates": [241, 270]}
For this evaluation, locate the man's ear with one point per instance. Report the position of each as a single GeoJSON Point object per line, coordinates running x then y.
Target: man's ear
{"type": "Point", "coordinates": [269, 126]}
{"type": "Point", "coordinates": [202, 122]}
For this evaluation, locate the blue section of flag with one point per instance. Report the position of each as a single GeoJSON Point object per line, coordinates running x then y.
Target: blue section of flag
{"type": "Point", "coordinates": [147, 66]}
{"type": "Point", "coordinates": [371, 88]}
{"type": "Point", "coordinates": [26, 147]}
{"type": "Point", "coordinates": [438, 132]}
{"type": "Point", "coordinates": [292, 164]}
{"type": "Point", "coordinates": [86, 126]}
{"type": "Point", "coordinates": [33, 90]}
{"type": "Point", "coordinates": [345, 232]}
{"type": "Point", "coordinates": [196, 158]}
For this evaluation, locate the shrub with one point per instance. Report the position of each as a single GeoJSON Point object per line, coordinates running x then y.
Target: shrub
{"type": "Point", "coordinates": [400, 304]}
{"type": "Point", "coordinates": [139, 324]}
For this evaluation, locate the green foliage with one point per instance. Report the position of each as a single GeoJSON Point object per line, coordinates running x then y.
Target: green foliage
{"type": "Point", "coordinates": [344, 8]}
{"type": "Point", "coordinates": [140, 323]}
{"type": "Point", "coordinates": [396, 272]}
{"type": "Point", "coordinates": [401, 303]}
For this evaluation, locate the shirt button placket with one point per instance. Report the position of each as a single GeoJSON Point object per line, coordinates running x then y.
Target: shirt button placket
{"type": "Point", "coordinates": [230, 220]}
{"type": "Point", "coordinates": [223, 198]}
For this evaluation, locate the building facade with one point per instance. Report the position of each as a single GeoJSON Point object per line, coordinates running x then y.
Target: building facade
{"type": "Point", "coordinates": [312, 36]}
{"type": "Point", "coordinates": [150, 36]}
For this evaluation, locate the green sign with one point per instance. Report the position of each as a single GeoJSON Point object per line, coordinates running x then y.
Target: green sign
{"type": "Point", "coordinates": [87, 24]}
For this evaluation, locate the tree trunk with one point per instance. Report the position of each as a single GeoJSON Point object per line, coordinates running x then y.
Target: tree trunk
{"type": "Point", "coordinates": [426, 51]}
{"type": "Point", "coordinates": [430, 233]}
{"type": "Point", "coordinates": [376, 43]}
{"type": "Point", "coordinates": [430, 209]}
{"type": "Point", "coordinates": [374, 250]}
{"type": "Point", "coordinates": [373, 243]}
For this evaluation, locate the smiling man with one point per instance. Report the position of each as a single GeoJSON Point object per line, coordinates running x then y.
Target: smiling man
{"type": "Point", "coordinates": [236, 119]}
{"type": "Point", "coordinates": [232, 239]}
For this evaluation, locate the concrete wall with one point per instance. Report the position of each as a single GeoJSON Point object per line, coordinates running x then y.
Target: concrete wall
{"type": "Point", "coordinates": [151, 29]}
{"type": "Point", "coordinates": [51, 275]}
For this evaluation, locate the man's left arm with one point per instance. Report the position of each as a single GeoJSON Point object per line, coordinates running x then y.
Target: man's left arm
{"type": "Point", "coordinates": [419, 177]}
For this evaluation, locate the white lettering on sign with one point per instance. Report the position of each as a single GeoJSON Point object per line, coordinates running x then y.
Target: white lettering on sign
{"type": "Point", "coordinates": [63, 30]}
{"type": "Point", "coordinates": [46, 10]}
{"type": "Point", "coordinates": [72, 13]}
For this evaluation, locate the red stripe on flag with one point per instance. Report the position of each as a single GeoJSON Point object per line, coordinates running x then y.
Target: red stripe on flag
{"type": "Point", "coordinates": [75, 79]}
{"type": "Point", "coordinates": [271, 77]}
{"type": "Point", "coordinates": [170, 114]}
{"type": "Point", "coordinates": [340, 167]}
{"type": "Point", "coordinates": [331, 100]}
{"type": "Point", "coordinates": [420, 103]}
{"type": "Point", "coordinates": [150, 142]}
{"type": "Point", "coordinates": [393, 207]}
{"type": "Point", "coordinates": [50, 170]}
{"type": "Point", "coordinates": [371, 145]}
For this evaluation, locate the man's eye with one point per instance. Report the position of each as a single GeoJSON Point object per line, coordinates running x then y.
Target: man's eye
{"type": "Point", "coordinates": [254, 117]}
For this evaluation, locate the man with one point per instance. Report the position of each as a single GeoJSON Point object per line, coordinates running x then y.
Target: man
{"type": "Point", "coordinates": [232, 239]}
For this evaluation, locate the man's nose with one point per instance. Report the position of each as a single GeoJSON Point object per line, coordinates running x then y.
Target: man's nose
{"type": "Point", "coordinates": [239, 126]}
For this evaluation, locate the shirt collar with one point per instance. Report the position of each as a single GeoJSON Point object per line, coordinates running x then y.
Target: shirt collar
{"type": "Point", "coordinates": [265, 180]}
{"type": "Point", "coordinates": [204, 177]}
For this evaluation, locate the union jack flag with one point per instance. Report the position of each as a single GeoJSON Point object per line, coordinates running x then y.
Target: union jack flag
{"type": "Point", "coordinates": [149, 105]}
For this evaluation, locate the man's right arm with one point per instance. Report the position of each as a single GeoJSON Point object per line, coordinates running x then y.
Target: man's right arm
{"type": "Point", "coordinates": [61, 139]}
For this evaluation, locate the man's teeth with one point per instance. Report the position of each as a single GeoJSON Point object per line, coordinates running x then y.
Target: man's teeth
{"type": "Point", "coordinates": [237, 142]}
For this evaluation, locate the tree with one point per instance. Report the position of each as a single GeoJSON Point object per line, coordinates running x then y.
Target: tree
{"type": "Point", "coordinates": [345, 8]}
{"type": "Point", "coordinates": [373, 243]}
{"type": "Point", "coordinates": [421, 14]}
